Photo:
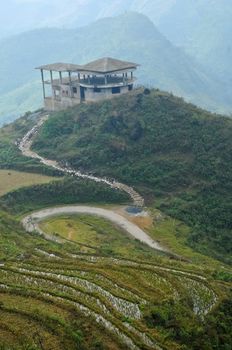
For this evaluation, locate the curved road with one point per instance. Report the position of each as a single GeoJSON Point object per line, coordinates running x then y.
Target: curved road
{"type": "Point", "coordinates": [31, 222]}
{"type": "Point", "coordinates": [25, 148]}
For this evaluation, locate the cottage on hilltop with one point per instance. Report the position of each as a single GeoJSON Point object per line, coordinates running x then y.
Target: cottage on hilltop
{"type": "Point", "coordinates": [72, 84]}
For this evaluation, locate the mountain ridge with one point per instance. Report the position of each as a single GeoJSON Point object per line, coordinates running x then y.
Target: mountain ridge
{"type": "Point", "coordinates": [132, 37]}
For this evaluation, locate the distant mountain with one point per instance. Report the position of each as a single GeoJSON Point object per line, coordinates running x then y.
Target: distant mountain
{"type": "Point", "coordinates": [202, 28]}
{"type": "Point", "coordinates": [204, 31]}
{"type": "Point", "coordinates": [23, 15]}
{"type": "Point", "coordinates": [130, 36]}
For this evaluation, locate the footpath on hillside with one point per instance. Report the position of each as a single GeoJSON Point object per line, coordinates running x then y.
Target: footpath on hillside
{"type": "Point", "coordinates": [30, 222]}
{"type": "Point", "coordinates": [25, 148]}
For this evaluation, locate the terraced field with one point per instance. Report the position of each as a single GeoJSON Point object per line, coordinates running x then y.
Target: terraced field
{"type": "Point", "coordinates": [74, 296]}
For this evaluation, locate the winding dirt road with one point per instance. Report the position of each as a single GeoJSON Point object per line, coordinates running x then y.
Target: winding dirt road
{"type": "Point", "coordinates": [25, 148]}
{"type": "Point", "coordinates": [31, 222]}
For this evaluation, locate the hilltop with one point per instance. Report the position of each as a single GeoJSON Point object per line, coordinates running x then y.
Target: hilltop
{"type": "Point", "coordinates": [177, 155]}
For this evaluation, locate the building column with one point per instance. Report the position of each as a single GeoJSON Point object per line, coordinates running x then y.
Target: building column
{"type": "Point", "coordinates": [123, 76]}
{"type": "Point", "coordinates": [131, 75]}
{"type": "Point", "coordinates": [60, 74]}
{"type": "Point", "coordinates": [70, 83]}
{"type": "Point", "coordinates": [51, 77]}
{"type": "Point", "coordinates": [42, 76]}
{"type": "Point", "coordinates": [105, 79]}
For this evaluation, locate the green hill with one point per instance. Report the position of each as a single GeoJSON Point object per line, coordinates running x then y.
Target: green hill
{"type": "Point", "coordinates": [177, 155]}
{"type": "Point", "coordinates": [98, 288]}
{"type": "Point", "coordinates": [130, 36]}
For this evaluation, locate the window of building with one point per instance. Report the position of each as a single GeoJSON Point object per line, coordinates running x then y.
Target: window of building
{"type": "Point", "coordinates": [116, 90]}
{"type": "Point", "coordinates": [130, 87]}
{"type": "Point", "coordinates": [74, 90]}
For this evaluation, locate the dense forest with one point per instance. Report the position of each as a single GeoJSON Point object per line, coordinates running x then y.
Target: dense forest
{"type": "Point", "coordinates": [176, 154]}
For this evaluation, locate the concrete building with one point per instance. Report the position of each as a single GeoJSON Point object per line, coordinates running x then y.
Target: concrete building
{"type": "Point", "coordinates": [72, 84]}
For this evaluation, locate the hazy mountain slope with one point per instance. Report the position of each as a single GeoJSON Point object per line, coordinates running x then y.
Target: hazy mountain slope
{"type": "Point", "coordinates": [131, 36]}
{"type": "Point", "coordinates": [204, 31]}
{"type": "Point", "coordinates": [178, 156]}
{"type": "Point", "coordinates": [15, 103]}
{"type": "Point", "coordinates": [21, 15]}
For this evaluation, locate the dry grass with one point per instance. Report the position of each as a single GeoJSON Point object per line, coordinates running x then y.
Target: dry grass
{"type": "Point", "coordinates": [12, 180]}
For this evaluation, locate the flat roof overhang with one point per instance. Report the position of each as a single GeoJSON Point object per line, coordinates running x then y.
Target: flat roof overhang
{"type": "Point", "coordinates": [60, 67]}
{"type": "Point", "coordinates": [101, 66]}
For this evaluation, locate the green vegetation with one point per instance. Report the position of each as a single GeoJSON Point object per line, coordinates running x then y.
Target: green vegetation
{"type": "Point", "coordinates": [12, 180]}
{"type": "Point", "coordinates": [10, 155]}
{"type": "Point", "coordinates": [98, 235]}
{"type": "Point", "coordinates": [66, 191]}
{"type": "Point", "coordinates": [171, 151]}
{"type": "Point", "coordinates": [101, 289]}
{"type": "Point", "coordinates": [57, 290]}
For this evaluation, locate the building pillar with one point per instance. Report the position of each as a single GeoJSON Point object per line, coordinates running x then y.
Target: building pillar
{"type": "Point", "coordinates": [88, 79]}
{"type": "Point", "coordinates": [105, 79]}
{"type": "Point", "coordinates": [70, 83]}
{"type": "Point", "coordinates": [42, 76]}
{"type": "Point", "coordinates": [51, 77]}
{"type": "Point", "coordinates": [123, 76]}
{"type": "Point", "coordinates": [131, 75]}
{"type": "Point", "coordinates": [60, 74]}
{"type": "Point", "coordinates": [79, 77]}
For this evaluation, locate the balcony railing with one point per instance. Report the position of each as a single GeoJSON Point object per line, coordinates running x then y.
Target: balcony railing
{"type": "Point", "coordinates": [94, 81]}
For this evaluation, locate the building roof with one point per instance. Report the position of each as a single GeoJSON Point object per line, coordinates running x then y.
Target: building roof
{"type": "Point", "coordinates": [108, 65]}
{"type": "Point", "coordinates": [61, 67]}
{"type": "Point", "coordinates": [102, 66]}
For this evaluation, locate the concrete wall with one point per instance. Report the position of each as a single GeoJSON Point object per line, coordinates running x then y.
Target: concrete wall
{"type": "Point", "coordinates": [62, 96]}
{"type": "Point", "coordinates": [51, 104]}
{"type": "Point", "coordinates": [106, 93]}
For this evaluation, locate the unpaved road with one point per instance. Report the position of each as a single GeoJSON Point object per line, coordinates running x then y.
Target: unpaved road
{"type": "Point", "coordinates": [25, 148]}
{"type": "Point", "coordinates": [31, 222]}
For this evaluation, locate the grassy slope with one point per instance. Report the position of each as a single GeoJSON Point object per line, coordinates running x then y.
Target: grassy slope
{"type": "Point", "coordinates": [10, 156]}
{"type": "Point", "coordinates": [166, 318]}
{"type": "Point", "coordinates": [171, 151]}
{"type": "Point", "coordinates": [66, 191]}
{"type": "Point", "coordinates": [12, 180]}
{"type": "Point", "coordinates": [56, 322]}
